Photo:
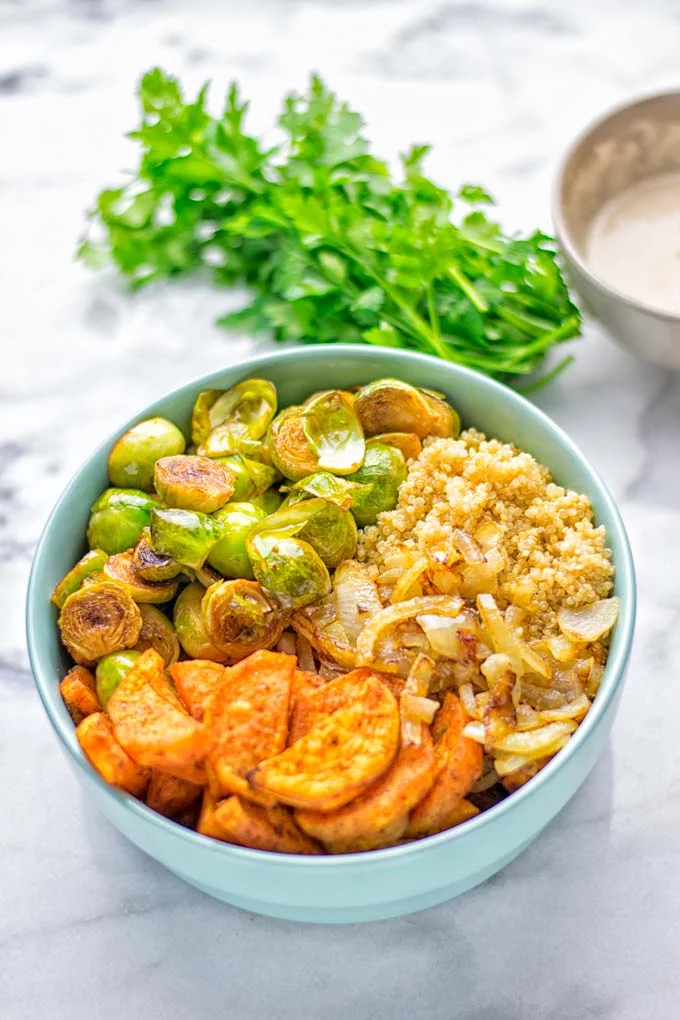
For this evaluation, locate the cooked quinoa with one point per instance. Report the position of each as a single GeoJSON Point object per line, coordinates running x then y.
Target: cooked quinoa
{"type": "Point", "coordinates": [554, 554]}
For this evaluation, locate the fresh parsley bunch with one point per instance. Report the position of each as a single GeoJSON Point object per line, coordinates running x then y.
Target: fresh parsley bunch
{"type": "Point", "coordinates": [333, 248]}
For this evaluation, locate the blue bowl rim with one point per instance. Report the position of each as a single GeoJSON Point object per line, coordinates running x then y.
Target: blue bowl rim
{"type": "Point", "coordinates": [614, 669]}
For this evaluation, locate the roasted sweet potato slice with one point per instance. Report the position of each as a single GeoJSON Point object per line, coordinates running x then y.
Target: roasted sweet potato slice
{"type": "Point", "coordinates": [105, 754]}
{"type": "Point", "coordinates": [207, 824]}
{"type": "Point", "coordinates": [79, 691]}
{"type": "Point", "coordinates": [339, 757]}
{"type": "Point", "coordinates": [312, 706]}
{"type": "Point", "coordinates": [170, 795]}
{"type": "Point", "coordinates": [459, 766]}
{"type": "Point", "coordinates": [196, 681]}
{"type": "Point", "coordinates": [378, 816]}
{"type": "Point", "coordinates": [151, 728]}
{"type": "Point", "coordinates": [247, 720]}
{"type": "Point", "coordinates": [262, 828]}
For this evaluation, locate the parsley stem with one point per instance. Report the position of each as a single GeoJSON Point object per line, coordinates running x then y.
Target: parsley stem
{"type": "Point", "coordinates": [470, 291]}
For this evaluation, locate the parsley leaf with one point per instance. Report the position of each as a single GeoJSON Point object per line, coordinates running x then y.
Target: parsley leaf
{"type": "Point", "coordinates": [333, 247]}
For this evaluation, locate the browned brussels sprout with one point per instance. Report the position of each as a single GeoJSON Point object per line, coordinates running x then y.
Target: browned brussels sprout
{"type": "Point", "coordinates": [193, 483]}
{"type": "Point", "coordinates": [121, 570]}
{"type": "Point", "coordinates": [99, 619]}
{"type": "Point", "coordinates": [240, 617]}
{"type": "Point", "coordinates": [189, 626]}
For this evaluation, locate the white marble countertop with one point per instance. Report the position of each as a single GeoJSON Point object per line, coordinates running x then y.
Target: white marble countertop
{"type": "Point", "coordinates": [586, 923]}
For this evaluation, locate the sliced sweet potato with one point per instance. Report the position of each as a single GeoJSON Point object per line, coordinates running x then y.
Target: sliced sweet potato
{"type": "Point", "coordinates": [170, 795]}
{"type": "Point", "coordinates": [262, 828]}
{"type": "Point", "coordinates": [459, 765]}
{"type": "Point", "coordinates": [338, 758]}
{"type": "Point", "coordinates": [378, 816]}
{"type": "Point", "coordinates": [247, 720]}
{"type": "Point", "coordinates": [314, 705]}
{"type": "Point", "coordinates": [389, 836]}
{"type": "Point", "coordinates": [207, 824]}
{"type": "Point", "coordinates": [196, 681]}
{"type": "Point", "coordinates": [151, 728]}
{"type": "Point", "coordinates": [79, 691]}
{"type": "Point", "coordinates": [463, 810]}
{"type": "Point", "coordinates": [105, 754]}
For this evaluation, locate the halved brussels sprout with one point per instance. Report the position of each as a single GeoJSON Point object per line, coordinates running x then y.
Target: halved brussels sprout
{"type": "Point", "coordinates": [118, 518]}
{"type": "Point", "coordinates": [325, 485]}
{"type": "Point", "coordinates": [407, 442]}
{"type": "Point", "coordinates": [240, 617]}
{"type": "Point", "coordinates": [133, 456]}
{"type": "Point", "coordinates": [230, 556]}
{"type": "Point", "coordinates": [110, 671]}
{"type": "Point", "coordinates": [190, 628]}
{"type": "Point", "coordinates": [330, 530]}
{"type": "Point", "coordinates": [390, 405]}
{"type": "Point", "coordinates": [193, 483]}
{"type": "Point", "coordinates": [150, 564]}
{"type": "Point", "coordinates": [157, 633]}
{"type": "Point", "coordinates": [269, 501]}
{"type": "Point", "coordinates": [200, 416]}
{"type": "Point", "coordinates": [289, 447]}
{"type": "Point", "coordinates": [239, 418]}
{"type": "Point", "coordinates": [381, 474]}
{"type": "Point", "coordinates": [99, 619]}
{"type": "Point", "coordinates": [290, 568]}
{"type": "Point", "coordinates": [121, 570]}
{"type": "Point", "coordinates": [185, 535]}
{"type": "Point", "coordinates": [250, 476]}
{"type": "Point", "coordinates": [334, 432]}
{"type": "Point", "coordinates": [91, 563]}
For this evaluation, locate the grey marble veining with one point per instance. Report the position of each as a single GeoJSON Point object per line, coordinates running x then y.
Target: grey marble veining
{"type": "Point", "coordinates": [586, 923]}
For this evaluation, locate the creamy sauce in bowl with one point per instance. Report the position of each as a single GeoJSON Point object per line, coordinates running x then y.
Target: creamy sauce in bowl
{"type": "Point", "coordinates": [634, 243]}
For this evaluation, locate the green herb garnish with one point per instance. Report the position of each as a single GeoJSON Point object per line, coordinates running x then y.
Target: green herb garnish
{"type": "Point", "coordinates": [333, 248]}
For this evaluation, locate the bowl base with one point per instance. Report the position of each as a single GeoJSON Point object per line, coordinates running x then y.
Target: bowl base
{"type": "Point", "coordinates": [356, 914]}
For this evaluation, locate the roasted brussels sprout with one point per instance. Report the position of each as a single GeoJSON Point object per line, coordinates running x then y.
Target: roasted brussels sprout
{"type": "Point", "coordinates": [99, 619]}
{"type": "Point", "coordinates": [289, 549]}
{"type": "Point", "coordinates": [185, 535]}
{"type": "Point", "coordinates": [91, 563]}
{"type": "Point", "coordinates": [229, 556]}
{"type": "Point", "coordinates": [152, 565]}
{"type": "Point", "coordinates": [290, 568]}
{"type": "Point", "coordinates": [132, 459]}
{"type": "Point", "coordinates": [200, 416]}
{"type": "Point", "coordinates": [240, 617]}
{"type": "Point", "coordinates": [289, 447]}
{"type": "Point", "coordinates": [239, 418]}
{"type": "Point", "coordinates": [390, 405]}
{"type": "Point", "coordinates": [330, 530]}
{"type": "Point", "coordinates": [118, 518]}
{"type": "Point", "coordinates": [329, 487]}
{"type": "Point", "coordinates": [110, 671]}
{"type": "Point", "coordinates": [407, 442]}
{"type": "Point", "coordinates": [381, 474]}
{"type": "Point", "coordinates": [269, 501]}
{"type": "Point", "coordinates": [157, 633]}
{"type": "Point", "coordinates": [189, 626]}
{"type": "Point", "coordinates": [193, 483]}
{"type": "Point", "coordinates": [121, 570]}
{"type": "Point", "coordinates": [334, 432]}
{"type": "Point", "coordinates": [250, 476]}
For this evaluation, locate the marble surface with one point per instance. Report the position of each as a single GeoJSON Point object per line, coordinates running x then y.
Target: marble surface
{"type": "Point", "coordinates": [585, 924]}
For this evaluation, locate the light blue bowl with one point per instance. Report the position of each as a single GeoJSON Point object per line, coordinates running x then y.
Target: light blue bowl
{"type": "Point", "coordinates": [384, 883]}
